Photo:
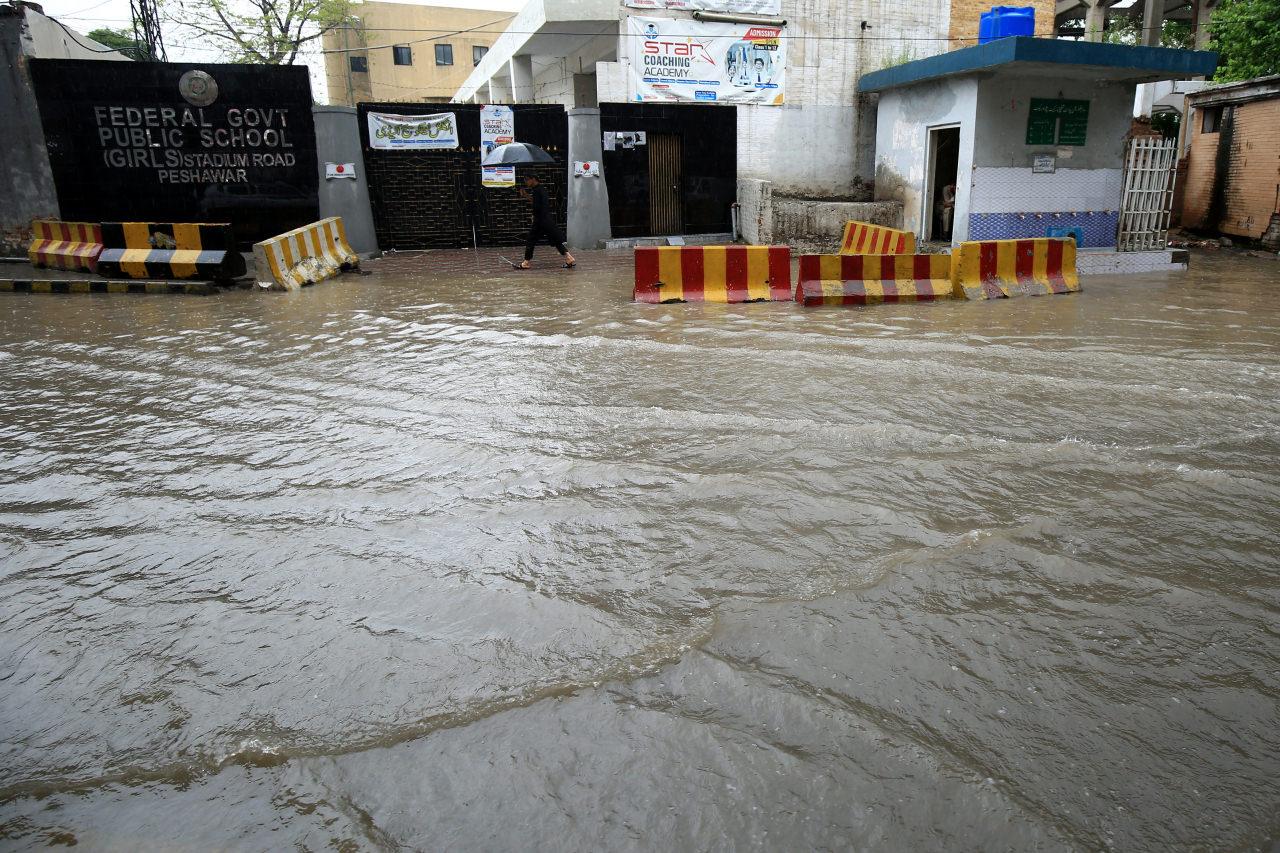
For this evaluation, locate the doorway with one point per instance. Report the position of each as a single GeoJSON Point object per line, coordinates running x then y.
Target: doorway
{"type": "Point", "coordinates": [666, 207]}
{"type": "Point", "coordinates": [938, 217]}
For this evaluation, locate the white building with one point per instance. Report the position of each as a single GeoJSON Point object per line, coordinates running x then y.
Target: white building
{"type": "Point", "coordinates": [802, 151]}
{"type": "Point", "coordinates": [1024, 138]}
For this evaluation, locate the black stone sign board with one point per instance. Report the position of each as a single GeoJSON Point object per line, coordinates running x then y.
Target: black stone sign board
{"type": "Point", "coordinates": [180, 142]}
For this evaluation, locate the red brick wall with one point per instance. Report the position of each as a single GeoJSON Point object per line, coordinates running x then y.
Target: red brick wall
{"type": "Point", "coordinates": [1255, 169]}
{"type": "Point", "coordinates": [965, 14]}
{"type": "Point", "coordinates": [1198, 188]}
{"type": "Point", "coordinates": [1253, 177]}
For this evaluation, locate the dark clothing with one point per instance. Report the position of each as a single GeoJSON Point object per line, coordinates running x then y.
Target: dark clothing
{"type": "Point", "coordinates": [543, 228]}
{"type": "Point", "coordinates": [544, 224]}
{"type": "Point", "coordinates": [541, 204]}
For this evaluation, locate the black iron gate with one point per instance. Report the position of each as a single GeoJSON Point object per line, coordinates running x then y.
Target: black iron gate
{"type": "Point", "coordinates": [703, 140]}
{"type": "Point", "coordinates": [431, 199]}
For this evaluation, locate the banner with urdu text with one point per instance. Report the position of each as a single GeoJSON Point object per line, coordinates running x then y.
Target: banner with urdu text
{"type": "Point", "coordinates": [731, 7]}
{"type": "Point", "coordinates": [684, 60]}
{"type": "Point", "coordinates": [436, 131]}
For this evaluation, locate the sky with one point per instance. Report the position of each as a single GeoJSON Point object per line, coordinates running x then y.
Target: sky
{"type": "Point", "coordinates": [85, 15]}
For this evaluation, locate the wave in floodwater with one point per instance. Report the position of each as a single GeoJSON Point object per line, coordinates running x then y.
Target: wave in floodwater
{"type": "Point", "coordinates": [431, 561]}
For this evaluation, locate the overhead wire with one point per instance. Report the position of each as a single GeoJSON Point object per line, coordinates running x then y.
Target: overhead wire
{"type": "Point", "coordinates": [76, 37]}
{"type": "Point", "coordinates": [785, 35]}
{"type": "Point", "coordinates": [679, 35]}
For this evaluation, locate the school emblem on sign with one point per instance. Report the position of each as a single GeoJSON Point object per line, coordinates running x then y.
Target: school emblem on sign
{"type": "Point", "coordinates": [198, 88]}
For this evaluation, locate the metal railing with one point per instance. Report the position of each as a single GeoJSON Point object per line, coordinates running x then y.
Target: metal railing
{"type": "Point", "coordinates": [1148, 194]}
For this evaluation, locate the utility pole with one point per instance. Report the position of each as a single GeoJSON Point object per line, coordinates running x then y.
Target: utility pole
{"type": "Point", "coordinates": [346, 62]}
{"type": "Point", "coordinates": [146, 29]}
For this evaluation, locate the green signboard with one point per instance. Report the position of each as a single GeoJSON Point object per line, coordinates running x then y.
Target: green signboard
{"type": "Point", "coordinates": [1055, 121]}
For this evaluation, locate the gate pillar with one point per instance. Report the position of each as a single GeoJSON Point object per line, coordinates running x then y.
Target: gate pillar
{"type": "Point", "coordinates": [588, 198]}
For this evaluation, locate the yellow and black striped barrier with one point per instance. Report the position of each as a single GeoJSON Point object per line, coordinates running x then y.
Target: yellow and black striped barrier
{"type": "Point", "coordinates": [169, 250]}
{"type": "Point", "coordinates": [85, 285]}
{"type": "Point", "coordinates": [305, 255]}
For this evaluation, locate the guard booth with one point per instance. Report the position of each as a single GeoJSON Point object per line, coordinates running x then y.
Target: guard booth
{"type": "Point", "coordinates": [432, 199]}
{"type": "Point", "coordinates": [180, 142]}
{"type": "Point", "coordinates": [670, 169]}
{"type": "Point", "coordinates": [1025, 137]}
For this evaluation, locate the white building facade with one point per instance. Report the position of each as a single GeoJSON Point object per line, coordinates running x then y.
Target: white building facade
{"type": "Point", "coordinates": [811, 140]}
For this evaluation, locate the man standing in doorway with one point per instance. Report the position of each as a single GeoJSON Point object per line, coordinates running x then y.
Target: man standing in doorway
{"type": "Point", "coordinates": [544, 224]}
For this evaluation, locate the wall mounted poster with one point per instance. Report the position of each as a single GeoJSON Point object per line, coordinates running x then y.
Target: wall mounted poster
{"type": "Point", "coordinates": [415, 133]}
{"type": "Point", "coordinates": [732, 7]}
{"type": "Point", "coordinates": [497, 127]}
{"type": "Point", "coordinates": [684, 60]}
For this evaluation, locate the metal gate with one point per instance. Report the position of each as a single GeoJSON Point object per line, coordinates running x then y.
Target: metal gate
{"type": "Point", "coordinates": [1148, 194]}
{"type": "Point", "coordinates": [433, 199]}
{"type": "Point", "coordinates": [708, 167]}
{"type": "Point", "coordinates": [666, 206]}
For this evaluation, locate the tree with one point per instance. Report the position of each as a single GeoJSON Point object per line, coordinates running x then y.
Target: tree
{"type": "Point", "coordinates": [270, 32]}
{"type": "Point", "coordinates": [1122, 29]}
{"type": "Point", "coordinates": [1246, 34]}
{"type": "Point", "coordinates": [1127, 30]}
{"type": "Point", "coordinates": [121, 40]}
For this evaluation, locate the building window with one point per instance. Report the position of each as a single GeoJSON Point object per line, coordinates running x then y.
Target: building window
{"type": "Point", "coordinates": [360, 64]}
{"type": "Point", "coordinates": [477, 53]}
{"type": "Point", "coordinates": [444, 54]}
{"type": "Point", "coordinates": [403, 54]}
{"type": "Point", "coordinates": [1212, 119]}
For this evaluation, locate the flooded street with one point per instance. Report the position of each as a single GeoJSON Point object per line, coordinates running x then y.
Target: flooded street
{"type": "Point", "coordinates": [440, 562]}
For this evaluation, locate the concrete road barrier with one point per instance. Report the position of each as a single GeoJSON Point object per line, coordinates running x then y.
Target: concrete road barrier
{"type": "Point", "coordinates": [65, 245]}
{"type": "Point", "coordinates": [869, 279]}
{"type": "Point", "coordinates": [863, 238]}
{"type": "Point", "coordinates": [712, 274]}
{"type": "Point", "coordinates": [169, 250]}
{"type": "Point", "coordinates": [995, 269]}
{"type": "Point", "coordinates": [84, 285]}
{"type": "Point", "coordinates": [303, 256]}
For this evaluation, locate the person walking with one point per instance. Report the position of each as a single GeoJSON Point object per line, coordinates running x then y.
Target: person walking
{"type": "Point", "coordinates": [544, 224]}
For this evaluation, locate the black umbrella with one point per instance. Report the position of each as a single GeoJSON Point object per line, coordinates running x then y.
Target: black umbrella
{"type": "Point", "coordinates": [516, 152]}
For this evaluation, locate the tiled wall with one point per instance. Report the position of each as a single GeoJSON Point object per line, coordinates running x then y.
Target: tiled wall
{"type": "Point", "coordinates": [1007, 203]}
{"type": "Point", "coordinates": [1127, 263]}
{"type": "Point", "coordinates": [998, 189]}
{"type": "Point", "coordinates": [1099, 226]}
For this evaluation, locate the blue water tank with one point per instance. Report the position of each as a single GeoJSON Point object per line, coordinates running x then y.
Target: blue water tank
{"type": "Point", "coordinates": [1004, 21]}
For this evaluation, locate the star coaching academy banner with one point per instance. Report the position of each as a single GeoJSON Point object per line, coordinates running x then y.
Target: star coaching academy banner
{"type": "Point", "coordinates": [497, 127]}
{"type": "Point", "coordinates": [749, 7]}
{"type": "Point", "coordinates": [439, 130]}
{"type": "Point", "coordinates": [684, 60]}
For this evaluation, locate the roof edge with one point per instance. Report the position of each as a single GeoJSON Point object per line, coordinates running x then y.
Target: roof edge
{"type": "Point", "coordinates": [1171, 63]}
{"type": "Point", "coordinates": [1259, 88]}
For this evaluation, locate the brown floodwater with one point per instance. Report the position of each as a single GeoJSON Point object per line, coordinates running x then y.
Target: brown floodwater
{"type": "Point", "coordinates": [443, 561]}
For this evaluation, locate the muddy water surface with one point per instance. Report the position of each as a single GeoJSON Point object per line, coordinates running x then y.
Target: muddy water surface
{"type": "Point", "coordinates": [446, 562]}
